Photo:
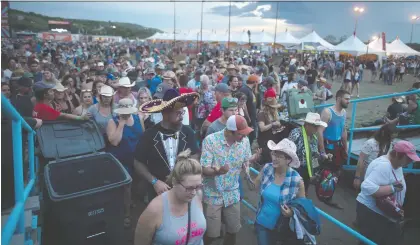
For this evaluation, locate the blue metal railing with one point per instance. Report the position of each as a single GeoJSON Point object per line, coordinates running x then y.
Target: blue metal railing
{"type": "Point", "coordinates": [328, 217]}
{"type": "Point", "coordinates": [16, 221]}
{"type": "Point", "coordinates": [352, 129]}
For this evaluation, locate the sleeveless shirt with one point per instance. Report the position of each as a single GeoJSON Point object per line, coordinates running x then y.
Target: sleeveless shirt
{"type": "Point", "coordinates": [173, 230]}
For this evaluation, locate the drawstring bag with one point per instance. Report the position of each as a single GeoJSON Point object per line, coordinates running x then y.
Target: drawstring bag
{"type": "Point", "coordinates": [326, 185]}
{"type": "Point", "coordinates": [389, 205]}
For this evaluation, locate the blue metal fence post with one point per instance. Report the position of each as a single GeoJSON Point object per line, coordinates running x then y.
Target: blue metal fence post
{"type": "Point", "coordinates": [31, 153]}
{"type": "Point", "coordinates": [18, 170]}
{"type": "Point", "coordinates": [353, 117]}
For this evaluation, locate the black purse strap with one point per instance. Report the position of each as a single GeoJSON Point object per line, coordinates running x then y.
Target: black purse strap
{"type": "Point", "coordinates": [189, 224]}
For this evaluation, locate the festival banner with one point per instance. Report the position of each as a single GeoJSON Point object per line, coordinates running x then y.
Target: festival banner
{"type": "Point", "coordinates": [62, 37]}
{"type": "Point", "coordinates": [5, 28]}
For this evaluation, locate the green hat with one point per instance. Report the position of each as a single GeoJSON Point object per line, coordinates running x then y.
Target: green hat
{"type": "Point", "coordinates": [229, 102]}
{"type": "Point", "coordinates": [28, 75]}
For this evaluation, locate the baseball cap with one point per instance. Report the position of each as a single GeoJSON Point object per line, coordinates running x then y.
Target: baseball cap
{"type": "Point", "coordinates": [270, 80]}
{"type": "Point", "coordinates": [270, 93]}
{"type": "Point", "coordinates": [303, 82]}
{"type": "Point", "coordinates": [25, 82]}
{"type": "Point", "coordinates": [238, 124]}
{"type": "Point", "coordinates": [229, 102]}
{"type": "Point", "coordinates": [253, 79]}
{"type": "Point", "coordinates": [198, 72]}
{"type": "Point", "coordinates": [407, 148]}
{"type": "Point", "coordinates": [222, 88]}
{"type": "Point", "coordinates": [42, 86]}
{"type": "Point", "coordinates": [161, 90]}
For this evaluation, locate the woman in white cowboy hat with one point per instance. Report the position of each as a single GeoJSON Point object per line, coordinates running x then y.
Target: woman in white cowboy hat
{"type": "Point", "coordinates": [61, 102]}
{"type": "Point", "coordinates": [278, 184]}
{"type": "Point", "coordinates": [124, 131]}
{"type": "Point", "coordinates": [101, 112]}
{"type": "Point", "coordinates": [124, 91]}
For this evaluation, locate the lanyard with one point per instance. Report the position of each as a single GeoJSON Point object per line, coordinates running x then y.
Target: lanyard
{"type": "Point", "coordinates": [307, 151]}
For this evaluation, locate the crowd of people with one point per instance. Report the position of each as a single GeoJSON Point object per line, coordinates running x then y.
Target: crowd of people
{"type": "Point", "coordinates": [187, 127]}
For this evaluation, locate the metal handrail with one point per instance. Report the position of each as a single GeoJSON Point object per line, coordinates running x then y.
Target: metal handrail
{"type": "Point", "coordinates": [323, 214]}
{"type": "Point", "coordinates": [16, 221]}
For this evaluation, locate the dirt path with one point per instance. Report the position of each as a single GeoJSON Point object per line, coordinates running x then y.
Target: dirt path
{"type": "Point", "coordinates": [372, 110]}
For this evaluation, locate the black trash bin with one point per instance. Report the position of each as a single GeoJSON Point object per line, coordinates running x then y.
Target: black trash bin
{"type": "Point", "coordinates": [84, 191]}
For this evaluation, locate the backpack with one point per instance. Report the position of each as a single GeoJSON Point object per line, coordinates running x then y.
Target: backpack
{"type": "Point", "coordinates": [299, 103]}
{"type": "Point", "coordinates": [329, 94]}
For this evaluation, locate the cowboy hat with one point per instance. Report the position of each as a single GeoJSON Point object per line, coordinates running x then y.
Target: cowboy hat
{"type": "Point", "coordinates": [171, 99]}
{"type": "Point", "coordinates": [168, 75]}
{"type": "Point", "coordinates": [125, 106]}
{"type": "Point", "coordinates": [59, 87]}
{"type": "Point", "coordinates": [314, 119]}
{"type": "Point", "coordinates": [125, 82]}
{"type": "Point", "coordinates": [106, 90]}
{"type": "Point", "coordinates": [287, 147]}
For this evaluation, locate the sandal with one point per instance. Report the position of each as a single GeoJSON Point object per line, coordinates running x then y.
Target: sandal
{"type": "Point", "coordinates": [127, 222]}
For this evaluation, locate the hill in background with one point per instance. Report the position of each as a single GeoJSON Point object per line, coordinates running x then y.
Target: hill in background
{"type": "Point", "coordinates": [24, 21]}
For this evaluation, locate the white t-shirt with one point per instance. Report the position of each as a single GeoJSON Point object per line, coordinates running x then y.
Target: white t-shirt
{"type": "Point", "coordinates": [371, 149]}
{"type": "Point", "coordinates": [379, 173]}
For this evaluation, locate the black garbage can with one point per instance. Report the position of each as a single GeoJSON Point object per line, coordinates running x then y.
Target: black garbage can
{"type": "Point", "coordinates": [84, 193]}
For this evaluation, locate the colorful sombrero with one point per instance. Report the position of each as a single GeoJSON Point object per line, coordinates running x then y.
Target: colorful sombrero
{"type": "Point", "coordinates": [172, 99]}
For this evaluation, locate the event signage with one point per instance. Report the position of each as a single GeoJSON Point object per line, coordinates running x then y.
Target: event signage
{"type": "Point", "coordinates": [62, 37]}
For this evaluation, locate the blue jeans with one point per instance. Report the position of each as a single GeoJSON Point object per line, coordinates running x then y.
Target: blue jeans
{"type": "Point", "coordinates": [265, 236]}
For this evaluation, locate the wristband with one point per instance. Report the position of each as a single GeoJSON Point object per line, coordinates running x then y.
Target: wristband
{"type": "Point", "coordinates": [154, 181]}
{"type": "Point", "coordinates": [356, 177]}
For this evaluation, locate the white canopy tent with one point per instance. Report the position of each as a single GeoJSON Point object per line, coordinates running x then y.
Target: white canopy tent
{"type": "Point", "coordinates": [377, 44]}
{"type": "Point", "coordinates": [262, 37]}
{"type": "Point", "coordinates": [397, 47]}
{"type": "Point", "coordinates": [313, 37]}
{"type": "Point", "coordinates": [354, 46]}
{"type": "Point", "coordinates": [285, 38]}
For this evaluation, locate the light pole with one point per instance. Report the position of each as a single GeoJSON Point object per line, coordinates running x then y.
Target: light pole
{"type": "Point", "coordinates": [413, 19]}
{"type": "Point", "coordinates": [358, 11]}
{"type": "Point", "coordinates": [230, 8]}
{"type": "Point", "coordinates": [174, 23]}
{"type": "Point", "coordinates": [201, 28]}
{"type": "Point", "coordinates": [275, 28]}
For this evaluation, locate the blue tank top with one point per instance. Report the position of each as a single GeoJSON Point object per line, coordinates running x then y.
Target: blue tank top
{"type": "Point", "coordinates": [270, 208]}
{"type": "Point", "coordinates": [173, 230]}
{"type": "Point", "coordinates": [335, 127]}
{"type": "Point", "coordinates": [124, 152]}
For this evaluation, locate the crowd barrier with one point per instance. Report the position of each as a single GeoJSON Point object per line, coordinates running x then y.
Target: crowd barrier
{"type": "Point", "coordinates": [16, 220]}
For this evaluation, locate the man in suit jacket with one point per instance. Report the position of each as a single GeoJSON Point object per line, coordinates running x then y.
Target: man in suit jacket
{"type": "Point", "coordinates": [160, 145]}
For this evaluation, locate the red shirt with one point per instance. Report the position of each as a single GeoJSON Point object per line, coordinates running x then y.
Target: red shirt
{"type": "Point", "coordinates": [45, 112]}
{"type": "Point", "coordinates": [190, 108]}
{"type": "Point", "coordinates": [216, 113]}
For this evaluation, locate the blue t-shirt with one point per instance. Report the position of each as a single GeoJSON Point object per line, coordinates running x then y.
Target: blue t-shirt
{"type": "Point", "coordinates": [270, 209]}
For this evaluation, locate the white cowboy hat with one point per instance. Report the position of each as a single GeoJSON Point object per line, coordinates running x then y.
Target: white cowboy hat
{"type": "Point", "coordinates": [125, 106]}
{"type": "Point", "coordinates": [106, 90]}
{"type": "Point", "coordinates": [125, 82]}
{"type": "Point", "coordinates": [100, 63]}
{"type": "Point", "coordinates": [314, 119]}
{"type": "Point", "coordinates": [59, 87]}
{"type": "Point", "coordinates": [287, 147]}
{"type": "Point", "coordinates": [301, 68]}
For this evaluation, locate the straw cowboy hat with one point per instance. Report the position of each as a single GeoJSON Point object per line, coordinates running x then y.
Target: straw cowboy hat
{"type": "Point", "coordinates": [287, 147]}
{"type": "Point", "coordinates": [232, 66]}
{"type": "Point", "coordinates": [171, 99]}
{"type": "Point", "coordinates": [125, 106]}
{"type": "Point", "coordinates": [59, 87]}
{"type": "Point", "coordinates": [106, 90]}
{"type": "Point", "coordinates": [169, 75]}
{"type": "Point", "coordinates": [314, 119]}
{"type": "Point", "coordinates": [125, 82]}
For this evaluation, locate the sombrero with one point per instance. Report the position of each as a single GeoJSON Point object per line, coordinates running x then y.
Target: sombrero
{"type": "Point", "coordinates": [171, 99]}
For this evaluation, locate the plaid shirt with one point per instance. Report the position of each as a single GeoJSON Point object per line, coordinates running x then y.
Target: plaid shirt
{"type": "Point", "coordinates": [288, 189]}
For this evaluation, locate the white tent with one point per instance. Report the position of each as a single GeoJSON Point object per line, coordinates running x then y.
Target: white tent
{"type": "Point", "coordinates": [354, 46]}
{"type": "Point", "coordinates": [377, 44]}
{"type": "Point", "coordinates": [262, 37]}
{"type": "Point", "coordinates": [313, 37]}
{"type": "Point", "coordinates": [285, 38]}
{"type": "Point", "coordinates": [397, 47]}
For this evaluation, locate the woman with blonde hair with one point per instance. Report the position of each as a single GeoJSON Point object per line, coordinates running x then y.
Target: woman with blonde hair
{"type": "Point", "coordinates": [269, 124]}
{"type": "Point", "coordinates": [86, 102]}
{"type": "Point", "coordinates": [144, 95]}
{"type": "Point", "coordinates": [176, 216]}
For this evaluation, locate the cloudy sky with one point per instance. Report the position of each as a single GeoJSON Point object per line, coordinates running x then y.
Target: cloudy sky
{"type": "Point", "coordinates": [327, 18]}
